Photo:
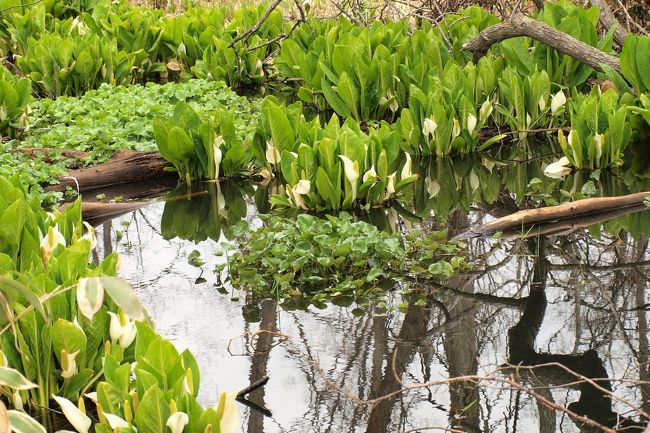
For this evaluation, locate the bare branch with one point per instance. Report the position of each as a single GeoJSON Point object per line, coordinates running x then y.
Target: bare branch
{"type": "Point", "coordinates": [521, 25]}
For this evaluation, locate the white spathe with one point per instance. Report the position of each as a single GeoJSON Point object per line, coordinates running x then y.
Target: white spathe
{"type": "Point", "coordinates": [272, 153]}
{"type": "Point", "coordinates": [558, 168]}
{"type": "Point", "coordinates": [485, 110]}
{"type": "Point", "coordinates": [406, 170]}
{"type": "Point", "coordinates": [390, 188]}
{"type": "Point", "coordinates": [68, 364]}
{"type": "Point", "coordinates": [557, 101]}
{"type": "Point", "coordinates": [471, 122]}
{"type": "Point", "coordinates": [122, 330]}
{"type": "Point", "coordinates": [217, 154]}
{"type": "Point", "coordinates": [351, 170]}
{"type": "Point", "coordinates": [429, 127]}
{"type": "Point", "coordinates": [302, 187]}
{"type": "Point", "coordinates": [115, 421]}
{"type": "Point", "coordinates": [75, 416]}
{"type": "Point", "coordinates": [227, 412]}
{"type": "Point", "coordinates": [455, 129]}
{"type": "Point", "coordinates": [52, 239]}
{"type": "Point", "coordinates": [370, 174]}
{"type": "Point", "coordinates": [177, 421]}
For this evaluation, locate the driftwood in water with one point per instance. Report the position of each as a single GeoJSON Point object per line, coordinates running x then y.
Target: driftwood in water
{"type": "Point", "coordinates": [126, 166]}
{"type": "Point", "coordinates": [554, 219]}
{"type": "Point", "coordinates": [521, 25]}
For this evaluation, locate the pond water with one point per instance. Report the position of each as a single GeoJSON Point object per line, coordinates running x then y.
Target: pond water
{"type": "Point", "coordinates": [578, 300]}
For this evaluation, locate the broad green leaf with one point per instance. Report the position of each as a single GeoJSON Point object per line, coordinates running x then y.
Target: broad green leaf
{"type": "Point", "coordinates": [334, 99]}
{"type": "Point", "coordinates": [11, 286]}
{"type": "Point", "coordinates": [153, 412]}
{"type": "Point", "coordinates": [348, 94]}
{"type": "Point", "coordinates": [69, 337]}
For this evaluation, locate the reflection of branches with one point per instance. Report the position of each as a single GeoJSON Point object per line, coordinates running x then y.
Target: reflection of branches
{"type": "Point", "coordinates": [612, 267]}
{"type": "Point", "coordinates": [508, 380]}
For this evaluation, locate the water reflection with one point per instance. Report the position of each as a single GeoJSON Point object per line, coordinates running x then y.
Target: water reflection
{"type": "Point", "coordinates": [579, 300]}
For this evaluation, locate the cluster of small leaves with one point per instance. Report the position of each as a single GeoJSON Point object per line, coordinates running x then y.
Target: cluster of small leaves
{"type": "Point", "coordinates": [112, 118]}
{"type": "Point", "coordinates": [31, 170]}
{"type": "Point", "coordinates": [311, 261]}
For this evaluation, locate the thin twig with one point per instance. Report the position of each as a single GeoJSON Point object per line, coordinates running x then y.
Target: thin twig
{"type": "Point", "coordinates": [253, 386]}
{"type": "Point", "coordinates": [257, 25]}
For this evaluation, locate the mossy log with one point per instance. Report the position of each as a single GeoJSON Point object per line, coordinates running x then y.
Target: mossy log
{"type": "Point", "coordinates": [126, 166]}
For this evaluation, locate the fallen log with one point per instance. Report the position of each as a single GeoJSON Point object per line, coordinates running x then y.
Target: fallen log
{"type": "Point", "coordinates": [126, 166]}
{"type": "Point", "coordinates": [521, 25]}
{"type": "Point", "coordinates": [555, 219]}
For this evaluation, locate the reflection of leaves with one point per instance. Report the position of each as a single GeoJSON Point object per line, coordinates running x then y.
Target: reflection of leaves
{"type": "Point", "coordinates": [588, 188]}
{"type": "Point", "coordinates": [204, 211]}
{"type": "Point", "coordinates": [456, 189]}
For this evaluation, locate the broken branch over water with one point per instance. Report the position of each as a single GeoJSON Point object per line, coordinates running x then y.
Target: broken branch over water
{"type": "Point", "coordinates": [556, 216]}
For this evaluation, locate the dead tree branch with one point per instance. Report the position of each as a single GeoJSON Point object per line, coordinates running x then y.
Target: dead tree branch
{"type": "Point", "coordinates": [520, 25]}
{"type": "Point", "coordinates": [257, 25]}
{"type": "Point", "coordinates": [554, 214]}
{"type": "Point", "coordinates": [609, 21]}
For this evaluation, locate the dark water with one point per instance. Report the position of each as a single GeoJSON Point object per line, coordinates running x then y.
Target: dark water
{"type": "Point", "coordinates": [578, 300]}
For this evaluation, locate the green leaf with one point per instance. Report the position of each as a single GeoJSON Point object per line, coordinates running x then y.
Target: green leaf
{"type": "Point", "coordinates": [441, 269]}
{"type": "Point", "coordinates": [69, 337]}
{"type": "Point", "coordinates": [643, 61]}
{"type": "Point", "coordinates": [282, 132]}
{"type": "Point", "coordinates": [13, 379]}
{"type": "Point", "coordinates": [11, 286]}
{"type": "Point", "coordinates": [334, 99]}
{"type": "Point", "coordinates": [348, 94]}
{"type": "Point", "coordinates": [153, 412]}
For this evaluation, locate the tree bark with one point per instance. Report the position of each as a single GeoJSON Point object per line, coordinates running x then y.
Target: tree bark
{"type": "Point", "coordinates": [520, 25]}
{"type": "Point", "coordinates": [126, 166]}
{"type": "Point", "coordinates": [556, 217]}
{"type": "Point", "coordinates": [608, 20]}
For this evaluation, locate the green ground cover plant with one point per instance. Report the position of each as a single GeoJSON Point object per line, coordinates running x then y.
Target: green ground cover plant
{"type": "Point", "coordinates": [114, 118]}
{"type": "Point", "coordinates": [311, 261]}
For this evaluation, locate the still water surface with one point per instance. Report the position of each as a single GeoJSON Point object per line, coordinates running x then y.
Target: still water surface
{"type": "Point", "coordinates": [573, 299]}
